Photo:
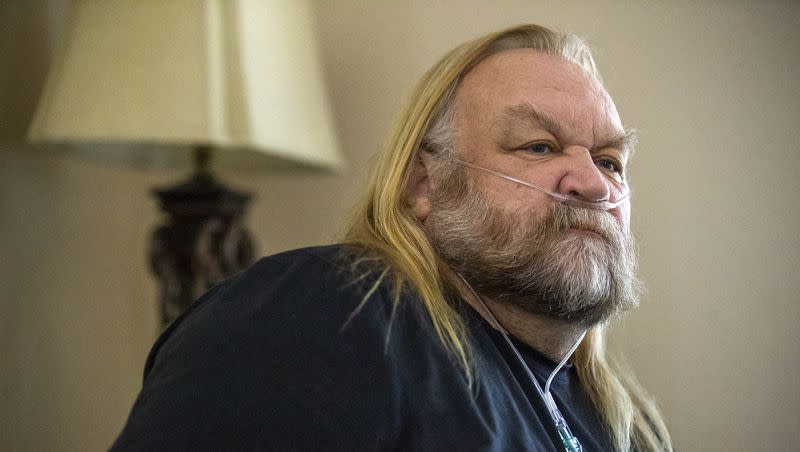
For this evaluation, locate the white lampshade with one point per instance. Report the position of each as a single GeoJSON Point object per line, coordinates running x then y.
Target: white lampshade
{"type": "Point", "coordinates": [145, 80]}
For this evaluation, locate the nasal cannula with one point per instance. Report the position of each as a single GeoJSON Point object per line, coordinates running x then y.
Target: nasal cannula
{"type": "Point", "coordinates": [568, 199]}
{"type": "Point", "coordinates": [570, 442]}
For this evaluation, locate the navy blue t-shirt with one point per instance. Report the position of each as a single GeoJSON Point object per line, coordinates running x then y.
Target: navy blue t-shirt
{"type": "Point", "coordinates": [268, 360]}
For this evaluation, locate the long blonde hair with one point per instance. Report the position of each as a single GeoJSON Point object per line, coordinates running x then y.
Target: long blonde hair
{"type": "Point", "coordinates": [383, 226]}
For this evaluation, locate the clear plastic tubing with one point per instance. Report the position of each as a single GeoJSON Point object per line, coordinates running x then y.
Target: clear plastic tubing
{"type": "Point", "coordinates": [568, 440]}
{"type": "Point", "coordinates": [567, 199]}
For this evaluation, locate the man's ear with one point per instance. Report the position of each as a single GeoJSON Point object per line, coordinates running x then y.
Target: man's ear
{"type": "Point", "coordinates": [417, 191]}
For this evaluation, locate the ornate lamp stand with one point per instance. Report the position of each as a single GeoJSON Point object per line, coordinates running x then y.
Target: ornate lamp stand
{"type": "Point", "coordinates": [203, 241]}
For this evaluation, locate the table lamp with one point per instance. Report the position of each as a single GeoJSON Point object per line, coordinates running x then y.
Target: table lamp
{"type": "Point", "coordinates": [155, 83]}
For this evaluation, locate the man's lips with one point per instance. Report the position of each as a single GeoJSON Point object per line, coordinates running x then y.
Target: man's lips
{"type": "Point", "coordinates": [589, 231]}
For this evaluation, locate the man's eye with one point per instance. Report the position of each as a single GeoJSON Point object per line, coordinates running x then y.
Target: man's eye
{"type": "Point", "coordinates": [541, 148]}
{"type": "Point", "coordinates": [610, 165]}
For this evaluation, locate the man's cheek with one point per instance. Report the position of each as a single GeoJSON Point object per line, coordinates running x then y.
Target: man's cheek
{"type": "Point", "coordinates": [623, 217]}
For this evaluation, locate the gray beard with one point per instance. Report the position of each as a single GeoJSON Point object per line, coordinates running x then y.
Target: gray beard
{"type": "Point", "coordinates": [543, 266]}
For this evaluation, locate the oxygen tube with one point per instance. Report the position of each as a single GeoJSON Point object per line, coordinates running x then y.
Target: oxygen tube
{"type": "Point", "coordinates": [567, 199]}
{"type": "Point", "coordinates": [570, 442]}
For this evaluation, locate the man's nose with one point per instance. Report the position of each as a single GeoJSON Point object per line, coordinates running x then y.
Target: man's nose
{"type": "Point", "coordinates": [582, 177]}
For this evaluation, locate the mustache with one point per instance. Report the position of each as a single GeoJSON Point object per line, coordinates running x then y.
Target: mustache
{"type": "Point", "coordinates": [562, 217]}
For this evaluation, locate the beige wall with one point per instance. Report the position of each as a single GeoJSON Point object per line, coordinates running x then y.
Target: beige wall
{"type": "Point", "coordinates": [712, 88]}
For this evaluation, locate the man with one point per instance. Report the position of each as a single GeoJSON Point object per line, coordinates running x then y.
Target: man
{"type": "Point", "coordinates": [494, 236]}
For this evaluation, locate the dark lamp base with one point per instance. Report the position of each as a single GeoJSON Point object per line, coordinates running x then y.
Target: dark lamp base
{"type": "Point", "coordinates": [203, 241]}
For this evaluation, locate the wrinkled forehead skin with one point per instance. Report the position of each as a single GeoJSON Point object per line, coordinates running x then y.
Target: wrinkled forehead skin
{"type": "Point", "coordinates": [551, 83]}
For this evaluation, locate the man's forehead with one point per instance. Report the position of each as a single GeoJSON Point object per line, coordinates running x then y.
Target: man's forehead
{"type": "Point", "coordinates": [532, 67]}
{"type": "Point", "coordinates": [524, 84]}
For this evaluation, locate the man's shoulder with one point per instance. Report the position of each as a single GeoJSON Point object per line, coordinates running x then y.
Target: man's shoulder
{"type": "Point", "coordinates": [268, 352]}
{"type": "Point", "coordinates": [324, 278]}
{"type": "Point", "coordinates": [307, 292]}
{"type": "Point", "coordinates": [313, 263]}
{"type": "Point", "coordinates": [329, 255]}
{"type": "Point", "coordinates": [320, 276]}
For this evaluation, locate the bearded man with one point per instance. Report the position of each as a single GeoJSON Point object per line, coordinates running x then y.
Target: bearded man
{"type": "Point", "coordinates": [494, 238]}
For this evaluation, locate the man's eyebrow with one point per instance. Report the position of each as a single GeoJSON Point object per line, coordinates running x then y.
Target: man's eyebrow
{"type": "Point", "coordinates": [624, 140]}
{"type": "Point", "coordinates": [532, 113]}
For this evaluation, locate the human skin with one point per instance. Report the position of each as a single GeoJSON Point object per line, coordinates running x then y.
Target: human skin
{"type": "Point", "coordinates": [543, 119]}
